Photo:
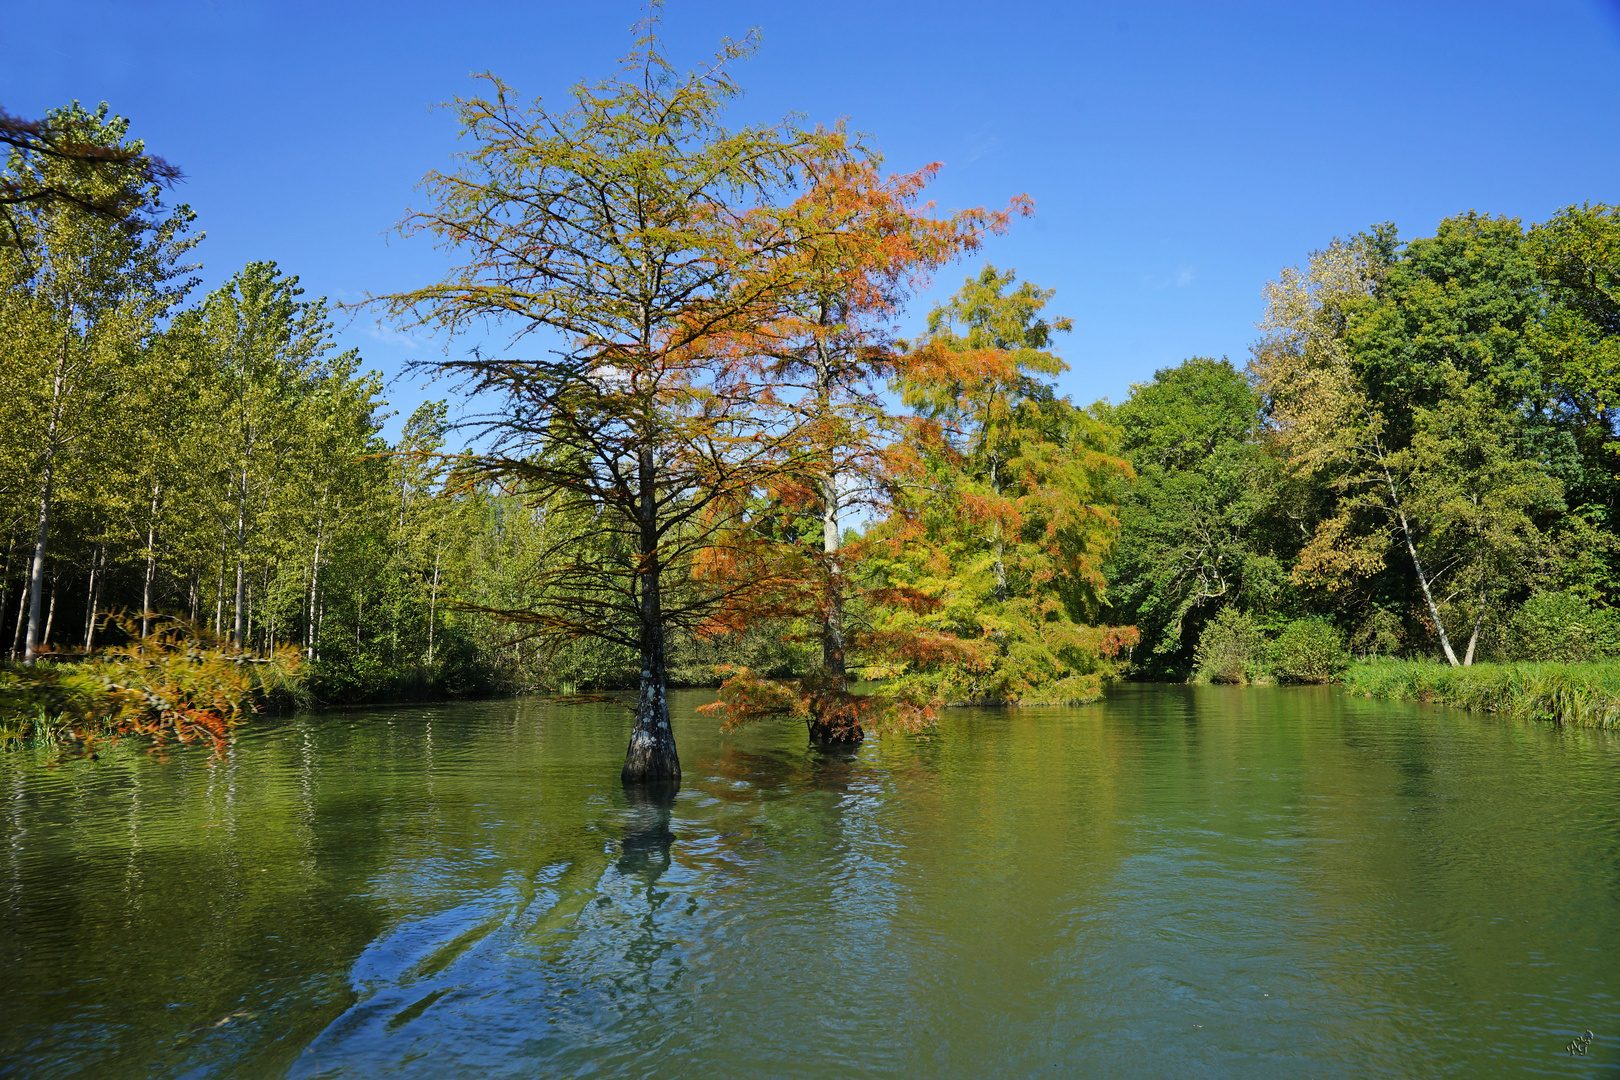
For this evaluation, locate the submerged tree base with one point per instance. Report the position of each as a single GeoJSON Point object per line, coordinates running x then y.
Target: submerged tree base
{"type": "Point", "coordinates": [822, 734]}
{"type": "Point", "coordinates": [648, 768]}
{"type": "Point", "coordinates": [651, 758]}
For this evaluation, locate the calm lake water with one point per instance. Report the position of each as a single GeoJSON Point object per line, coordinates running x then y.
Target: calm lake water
{"type": "Point", "coordinates": [1178, 882]}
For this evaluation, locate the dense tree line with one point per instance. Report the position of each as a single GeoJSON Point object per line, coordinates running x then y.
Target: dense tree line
{"type": "Point", "coordinates": [1421, 453]}
{"type": "Point", "coordinates": [217, 459]}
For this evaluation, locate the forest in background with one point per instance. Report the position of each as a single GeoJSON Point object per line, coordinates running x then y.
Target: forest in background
{"type": "Point", "coordinates": [1419, 459]}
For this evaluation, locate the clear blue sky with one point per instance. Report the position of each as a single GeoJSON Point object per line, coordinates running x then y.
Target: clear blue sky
{"type": "Point", "coordinates": [1178, 153]}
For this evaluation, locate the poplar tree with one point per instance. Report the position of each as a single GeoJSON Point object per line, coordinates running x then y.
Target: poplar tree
{"type": "Point", "coordinates": [85, 288]}
{"type": "Point", "coordinates": [263, 347]}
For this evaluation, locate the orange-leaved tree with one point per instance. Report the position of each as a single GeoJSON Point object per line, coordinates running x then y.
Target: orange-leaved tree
{"type": "Point", "coordinates": [1021, 499]}
{"type": "Point", "coordinates": [622, 247]}
{"type": "Point", "coordinates": [823, 365]}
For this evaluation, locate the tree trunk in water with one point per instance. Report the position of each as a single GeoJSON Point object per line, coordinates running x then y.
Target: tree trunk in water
{"type": "Point", "coordinates": [824, 730]}
{"type": "Point", "coordinates": [651, 756]}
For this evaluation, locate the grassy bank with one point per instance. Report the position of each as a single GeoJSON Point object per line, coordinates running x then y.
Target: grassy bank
{"type": "Point", "coordinates": [1586, 695]}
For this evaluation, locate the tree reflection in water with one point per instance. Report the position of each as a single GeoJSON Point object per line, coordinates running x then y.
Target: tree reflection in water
{"type": "Point", "coordinates": [647, 835]}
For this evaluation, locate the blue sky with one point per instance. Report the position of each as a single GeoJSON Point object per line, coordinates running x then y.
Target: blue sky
{"type": "Point", "coordinates": [1178, 153]}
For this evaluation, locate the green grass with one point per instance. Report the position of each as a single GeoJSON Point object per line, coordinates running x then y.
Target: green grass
{"type": "Point", "coordinates": [1584, 695]}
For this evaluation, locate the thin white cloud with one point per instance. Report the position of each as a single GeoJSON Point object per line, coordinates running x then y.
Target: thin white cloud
{"type": "Point", "coordinates": [980, 143]}
{"type": "Point", "coordinates": [1183, 277]}
{"type": "Point", "coordinates": [393, 337]}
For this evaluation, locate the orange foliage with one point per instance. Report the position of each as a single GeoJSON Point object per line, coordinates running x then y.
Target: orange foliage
{"type": "Point", "coordinates": [821, 365]}
{"type": "Point", "coordinates": [178, 683]}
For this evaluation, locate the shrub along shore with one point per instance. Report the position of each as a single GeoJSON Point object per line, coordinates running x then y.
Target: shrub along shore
{"type": "Point", "coordinates": [1586, 695]}
{"type": "Point", "coordinates": [175, 684]}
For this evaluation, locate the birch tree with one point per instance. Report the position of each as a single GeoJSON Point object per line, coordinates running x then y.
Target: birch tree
{"type": "Point", "coordinates": [1420, 456]}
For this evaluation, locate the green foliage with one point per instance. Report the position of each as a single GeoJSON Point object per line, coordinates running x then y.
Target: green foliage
{"type": "Point", "coordinates": [1308, 651]}
{"type": "Point", "coordinates": [1232, 649]}
{"type": "Point", "coordinates": [1027, 516]}
{"type": "Point", "coordinates": [1562, 627]}
{"type": "Point", "coordinates": [1415, 387]}
{"type": "Point", "coordinates": [224, 466]}
{"type": "Point", "coordinates": [1584, 695]}
{"type": "Point", "coordinates": [1378, 634]}
{"type": "Point", "coordinates": [1199, 527]}
{"type": "Point", "coordinates": [1482, 497]}
{"type": "Point", "coordinates": [1458, 304]}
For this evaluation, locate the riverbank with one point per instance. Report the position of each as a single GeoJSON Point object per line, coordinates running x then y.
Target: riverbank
{"type": "Point", "coordinates": [1584, 695]}
{"type": "Point", "coordinates": [174, 684]}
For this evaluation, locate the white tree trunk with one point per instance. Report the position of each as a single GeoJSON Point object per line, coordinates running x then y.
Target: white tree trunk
{"type": "Point", "coordinates": [219, 588]}
{"type": "Point", "coordinates": [1417, 564]}
{"type": "Point", "coordinates": [313, 635]}
{"type": "Point", "coordinates": [241, 555]}
{"type": "Point", "coordinates": [151, 565]}
{"type": "Point", "coordinates": [5, 579]}
{"type": "Point", "coordinates": [37, 577]}
{"type": "Point", "coordinates": [50, 615]}
{"type": "Point", "coordinates": [1473, 638]}
{"type": "Point", "coordinates": [433, 602]}
{"type": "Point", "coordinates": [22, 622]}
{"type": "Point", "coordinates": [98, 573]}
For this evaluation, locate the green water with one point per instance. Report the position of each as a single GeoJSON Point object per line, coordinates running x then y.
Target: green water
{"type": "Point", "coordinates": [1178, 882]}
